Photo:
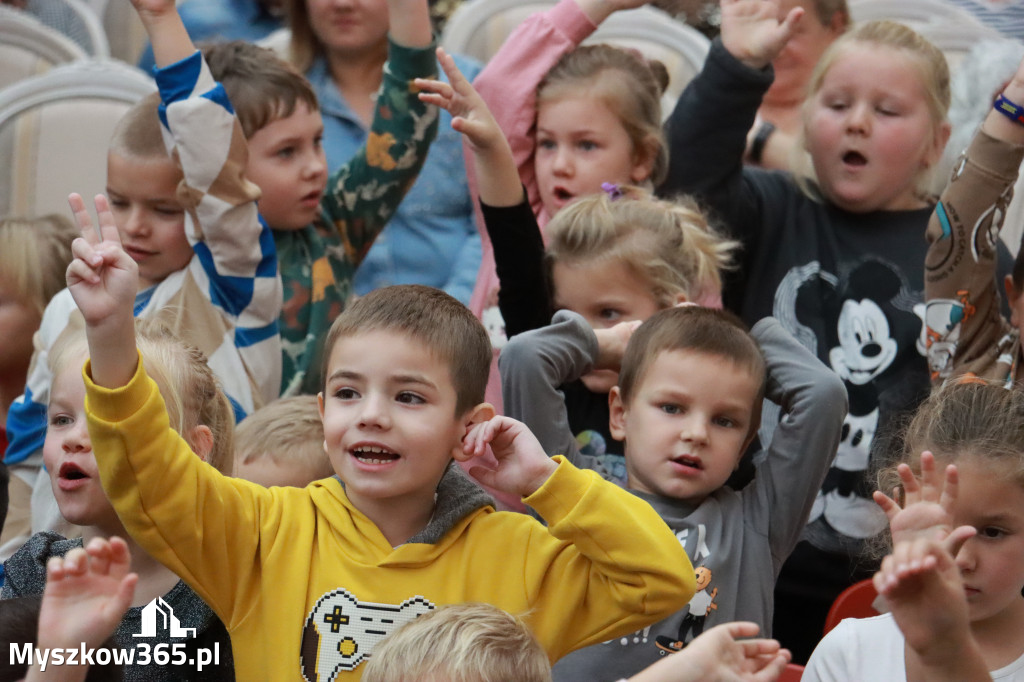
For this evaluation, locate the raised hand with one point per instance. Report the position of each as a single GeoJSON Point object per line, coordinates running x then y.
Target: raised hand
{"type": "Point", "coordinates": [154, 8]}
{"type": "Point", "coordinates": [103, 279]}
{"type": "Point", "coordinates": [926, 508]}
{"type": "Point", "coordinates": [719, 655]}
{"type": "Point", "coordinates": [612, 342]}
{"type": "Point", "coordinates": [523, 466]}
{"type": "Point", "coordinates": [470, 115]}
{"type": "Point", "coordinates": [752, 32]}
{"type": "Point", "coordinates": [922, 584]}
{"type": "Point", "coordinates": [87, 592]}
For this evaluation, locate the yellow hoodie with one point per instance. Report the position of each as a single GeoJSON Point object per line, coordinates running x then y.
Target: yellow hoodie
{"type": "Point", "coordinates": [307, 585]}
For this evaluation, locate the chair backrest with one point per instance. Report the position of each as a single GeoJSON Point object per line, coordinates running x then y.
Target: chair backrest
{"type": "Point", "coordinates": [55, 129]}
{"type": "Point", "coordinates": [791, 673]}
{"type": "Point", "coordinates": [956, 40]}
{"type": "Point", "coordinates": [29, 48]}
{"type": "Point", "coordinates": [479, 27]}
{"type": "Point", "coordinates": [856, 601]}
{"type": "Point", "coordinates": [91, 20]}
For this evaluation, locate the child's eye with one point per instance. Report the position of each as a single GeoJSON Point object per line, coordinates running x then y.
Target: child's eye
{"type": "Point", "coordinates": [991, 532]}
{"type": "Point", "coordinates": [59, 420]}
{"type": "Point", "coordinates": [670, 408]}
{"type": "Point", "coordinates": [318, 141]}
{"type": "Point", "coordinates": [610, 314]}
{"type": "Point", "coordinates": [117, 203]}
{"type": "Point", "coordinates": [725, 422]}
{"type": "Point", "coordinates": [409, 398]}
{"type": "Point", "coordinates": [836, 106]}
{"type": "Point", "coordinates": [169, 210]}
{"type": "Point", "coordinates": [587, 145]}
{"type": "Point", "coordinates": [885, 111]}
{"type": "Point", "coordinates": [346, 394]}
{"type": "Point", "coordinates": [285, 153]}
{"type": "Point", "coordinates": [546, 145]}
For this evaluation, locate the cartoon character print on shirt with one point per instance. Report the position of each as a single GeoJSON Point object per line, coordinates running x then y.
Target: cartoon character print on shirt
{"type": "Point", "coordinates": [694, 615]}
{"type": "Point", "coordinates": [944, 317]}
{"type": "Point", "coordinates": [341, 632]}
{"type": "Point", "coordinates": [697, 609]}
{"type": "Point", "coordinates": [861, 316]}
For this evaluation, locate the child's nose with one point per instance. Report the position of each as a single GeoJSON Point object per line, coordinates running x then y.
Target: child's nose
{"type": "Point", "coordinates": [858, 120]}
{"type": "Point", "coordinates": [77, 439]}
{"type": "Point", "coordinates": [316, 164]}
{"type": "Point", "coordinates": [694, 430]}
{"type": "Point", "coordinates": [966, 559]}
{"type": "Point", "coordinates": [563, 162]}
{"type": "Point", "coordinates": [135, 223]}
{"type": "Point", "coordinates": [374, 413]}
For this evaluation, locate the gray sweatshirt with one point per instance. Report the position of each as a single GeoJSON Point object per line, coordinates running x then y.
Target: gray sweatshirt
{"type": "Point", "coordinates": [737, 541]}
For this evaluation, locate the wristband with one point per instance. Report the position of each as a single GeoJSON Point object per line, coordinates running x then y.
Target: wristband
{"type": "Point", "coordinates": [1010, 110]}
{"type": "Point", "coordinates": [764, 131]}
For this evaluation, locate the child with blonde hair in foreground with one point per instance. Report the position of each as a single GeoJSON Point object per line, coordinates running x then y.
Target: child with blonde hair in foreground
{"type": "Point", "coordinates": [480, 643]}
{"type": "Point", "coordinates": [282, 444]}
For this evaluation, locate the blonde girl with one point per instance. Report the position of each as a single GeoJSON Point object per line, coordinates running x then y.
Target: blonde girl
{"type": "Point", "coordinates": [576, 117]}
{"type": "Point", "coordinates": [200, 411]}
{"type": "Point", "coordinates": [837, 256]}
{"type": "Point", "coordinates": [615, 258]}
{"type": "Point", "coordinates": [34, 253]}
{"type": "Point", "coordinates": [974, 434]}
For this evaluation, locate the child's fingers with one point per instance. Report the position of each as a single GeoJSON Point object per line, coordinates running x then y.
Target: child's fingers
{"type": "Point", "coordinates": [742, 628]}
{"type": "Point", "coordinates": [887, 504]}
{"type": "Point", "coordinates": [774, 667]}
{"type": "Point", "coordinates": [79, 271]}
{"type": "Point", "coordinates": [99, 556]}
{"type": "Point", "coordinates": [911, 486]}
{"type": "Point", "coordinates": [108, 228]}
{"type": "Point", "coordinates": [83, 219]}
{"type": "Point", "coordinates": [119, 553]}
{"type": "Point", "coordinates": [431, 87]}
{"type": "Point", "coordinates": [54, 569]}
{"type": "Point", "coordinates": [951, 489]}
{"type": "Point", "coordinates": [455, 76]}
{"type": "Point", "coordinates": [956, 539]}
{"type": "Point", "coordinates": [86, 251]}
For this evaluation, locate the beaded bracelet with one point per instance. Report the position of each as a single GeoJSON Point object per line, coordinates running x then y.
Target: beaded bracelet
{"type": "Point", "coordinates": [1010, 110]}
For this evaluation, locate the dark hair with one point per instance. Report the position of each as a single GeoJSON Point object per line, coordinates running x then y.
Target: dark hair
{"type": "Point", "coordinates": [442, 324]}
{"type": "Point", "coordinates": [261, 86]}
{"type": "Point", "coordinates": [691, 328]}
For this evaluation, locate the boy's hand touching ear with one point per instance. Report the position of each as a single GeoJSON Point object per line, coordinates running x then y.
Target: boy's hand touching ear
{"type": "Point", "coordinates": [752, 32]}
{"type": "Point", "coordinates": [523, 466]}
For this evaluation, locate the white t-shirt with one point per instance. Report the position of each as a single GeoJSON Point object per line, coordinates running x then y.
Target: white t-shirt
{"type": "Point", "coordinates": [872, 649]}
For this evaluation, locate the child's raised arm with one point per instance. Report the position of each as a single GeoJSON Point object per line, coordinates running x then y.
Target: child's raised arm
{"type": "Point", "coordinates": [103, 280]}
{"type": "Point", "coordinates": [167, 33]}
{"type": "Point", "coordinates": [922, 584]}
{"type": "Point", "coordinates": [496, 173]}
{"type": "Point", "coordinates": [964, 330]}
{"type": "Point", "coordinates": [752, 32]}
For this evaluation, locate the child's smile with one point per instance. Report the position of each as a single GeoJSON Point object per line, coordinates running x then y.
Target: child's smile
{"type": "Point", "coordinates": [389, 420]}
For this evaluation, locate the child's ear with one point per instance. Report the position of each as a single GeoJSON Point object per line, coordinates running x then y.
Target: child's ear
{"type": "Point", "coordinates": [201, 438]}
{"type": "Point", "coordinates": [320, 404]}
{"type": "Point", "coordinates": [616, 414]}
{"type": "Point", "coordinates": [934, 154]}
{"type": "Point", "coordinates": [643, 161]}
{"type": "Point", "coordinates": [680, 299]}
{"type": "Point", "coordinates": [481, 413]}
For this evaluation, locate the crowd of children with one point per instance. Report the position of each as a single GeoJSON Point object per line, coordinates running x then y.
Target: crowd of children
{"type": "Point", "coordinates": [591, 472]}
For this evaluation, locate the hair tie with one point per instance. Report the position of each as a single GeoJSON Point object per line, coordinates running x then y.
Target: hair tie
{"type": "Point", "coordinates": [613, 191]}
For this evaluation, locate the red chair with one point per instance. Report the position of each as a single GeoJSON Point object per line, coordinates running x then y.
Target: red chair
{"type": "Point", "coordinates": [853, 602]}
{"type": "Point", "coordinates": [792, 673]}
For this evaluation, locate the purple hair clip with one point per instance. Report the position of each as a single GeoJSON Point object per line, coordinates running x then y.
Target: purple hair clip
{"type": "Point", "coordinates": [612, 190]}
